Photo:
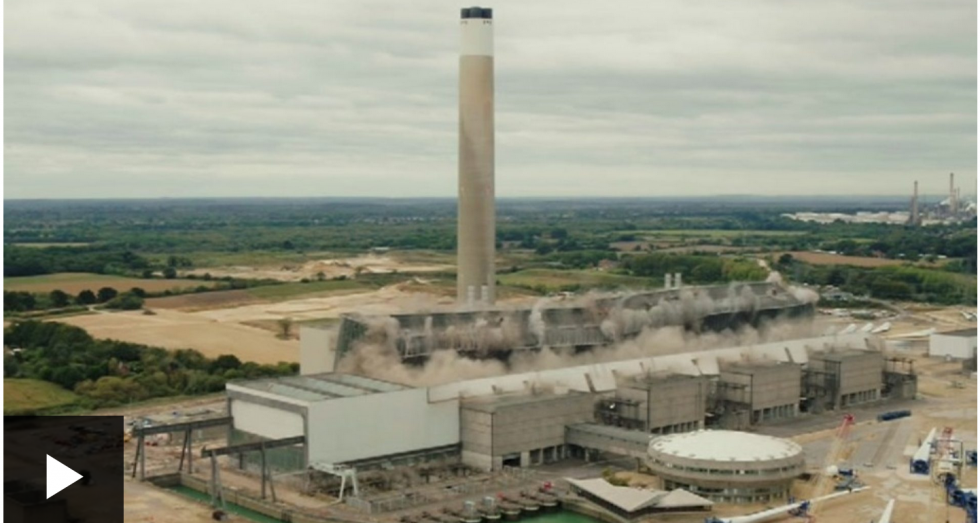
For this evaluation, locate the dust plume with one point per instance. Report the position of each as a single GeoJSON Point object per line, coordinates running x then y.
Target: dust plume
{"type": "Point", "coordinates": [446, 366]}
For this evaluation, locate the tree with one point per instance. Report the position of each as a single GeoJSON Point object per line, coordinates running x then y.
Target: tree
{"type": "Point", "coordinates": [225, 362]}
{"type": "Point", "coordinates": [138, 291]}
{"type": "Point", "coordinates": [59, 298]}
{"type": "Point", "coordinates": [786, 259]}
{"type": "Point", "coordinates": [18, 301]}
{"type": "Point", "coordinates": [146, 274]}
{"type": "Point", "coordinates": [169, 273]}
{"type": "Point", "coordinates": [106, 293]}
{"type": "Point", "coordinates": [285, 327]}
{"type": "Point", "coordinates": [320, 276]}
{"type": "Point", "coordinates": [127, 301]}
{"type": "Point", "coordinates": [86, 297]}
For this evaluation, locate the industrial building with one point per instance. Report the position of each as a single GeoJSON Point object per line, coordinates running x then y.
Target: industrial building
{"type": "Point", "coordinates": [727, 466]}
{"type": "Point", "coordinates": [958, 344]}
{"type": "Point", "coordinates": [768, 390]}
{"type": "Point", "coordinates": [845, 378]}
{"type": "Point", "coordinates": [531, 418]}
{"type": "Point", "coordinates": [659, 403]}
{"type": "Point", "coordinates": [344, 418]}
{"type": "Point", "coordinates": [519, 430]}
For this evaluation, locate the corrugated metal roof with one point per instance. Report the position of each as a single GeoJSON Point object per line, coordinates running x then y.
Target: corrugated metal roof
{"type": "Point", "coordinates": [320, 387]}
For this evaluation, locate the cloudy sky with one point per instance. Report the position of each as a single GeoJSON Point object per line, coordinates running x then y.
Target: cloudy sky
{"type": "Point", "coordinates": [116, 98]}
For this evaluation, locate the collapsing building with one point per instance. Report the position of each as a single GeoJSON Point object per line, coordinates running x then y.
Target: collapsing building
{"type": "Point", "coordinates": [597, 322]}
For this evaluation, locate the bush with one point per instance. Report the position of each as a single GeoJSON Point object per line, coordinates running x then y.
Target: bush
{"type": "Point", "coordinates": [86, 297]}
{"type": "Point", "coordinates": [106, 293]}
{"type": "Point", "coordinates": [128, 301]}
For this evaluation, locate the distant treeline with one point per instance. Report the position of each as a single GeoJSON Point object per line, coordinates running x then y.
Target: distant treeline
{"type": "Point", "coordinates": [110, 373]}
{"type": "Point", "coordinates": [704, 269]}
{"type": "Point", "coordinates": [29, 261]}
{"type": "Point", "coordinates": [893, 282]}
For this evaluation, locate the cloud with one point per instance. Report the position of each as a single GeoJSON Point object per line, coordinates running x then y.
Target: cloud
{"type": "Point", "coordinates": [111, 98]}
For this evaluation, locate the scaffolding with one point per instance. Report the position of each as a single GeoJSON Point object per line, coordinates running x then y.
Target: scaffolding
{"type": "Point", "coordinates": [217, 492]}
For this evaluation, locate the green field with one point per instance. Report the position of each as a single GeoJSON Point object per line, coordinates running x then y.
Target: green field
{"type": "Point", "coordinates": [75, 282]}
{"type": "Point", "coordinates": [556, 280]}
{"type": "Point", "coordinates": [22, 396]}
{"type": "Point", "coordinates": [288, 291]}
{"type": "Point", "coordinates": [713, 233]}
{"type": "Point", "coordinates": [256, 258]}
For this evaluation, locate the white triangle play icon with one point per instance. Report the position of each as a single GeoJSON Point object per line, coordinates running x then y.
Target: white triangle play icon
{"type": "Point", "coordinates": [59, 476]}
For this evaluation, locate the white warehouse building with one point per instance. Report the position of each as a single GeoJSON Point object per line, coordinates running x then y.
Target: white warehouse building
{"type": "Point", "coordinates": [958, 344]}
{"type": "Point", "coordinates": [345, 418]}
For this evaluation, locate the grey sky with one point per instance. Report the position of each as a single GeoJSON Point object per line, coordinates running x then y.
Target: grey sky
{"type": "Point", "coordinates": [116, 98]}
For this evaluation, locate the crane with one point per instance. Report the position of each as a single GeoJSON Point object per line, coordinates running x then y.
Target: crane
{"type": "Point", "coordinates": [834, 454]}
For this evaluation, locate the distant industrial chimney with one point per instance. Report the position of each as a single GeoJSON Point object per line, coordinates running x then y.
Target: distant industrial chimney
{"type": "Point", "coordinates": [476, 229]}
{"type": "Point", "coordinates": [953, 204]}
{"type": "Point", "coordinates": [914, 215]}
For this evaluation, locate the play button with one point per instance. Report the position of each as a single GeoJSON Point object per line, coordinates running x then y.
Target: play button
{"type": "Point", "coordinates": [59, 476]}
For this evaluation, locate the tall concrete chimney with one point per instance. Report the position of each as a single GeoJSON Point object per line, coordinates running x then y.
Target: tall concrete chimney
{"type": "Point", "coordinates": [953, 204]}
{"type": "Point", "coordinates": [476, 231]}
{"type": "Point", "coordinates": [914, 215]}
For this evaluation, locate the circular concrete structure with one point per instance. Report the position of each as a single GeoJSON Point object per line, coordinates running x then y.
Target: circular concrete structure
{"type": "Point", "coordinates": [727, 466]}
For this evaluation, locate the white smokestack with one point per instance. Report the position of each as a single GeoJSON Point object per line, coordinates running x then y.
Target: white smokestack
{"type": "Point", "coordinates": [667, 281]}
{"type": "Point", "coordinates": [677, 280]}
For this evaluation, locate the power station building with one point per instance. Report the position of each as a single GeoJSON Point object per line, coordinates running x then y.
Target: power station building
{"type": "Point", "coordinates": [534, 418]}
{"type": "Point", "coordinates": [660, 403]}
{"type": "Point", "coordinates": [767, 390]}
{"type": "Point", "coordinates": [847, 377]}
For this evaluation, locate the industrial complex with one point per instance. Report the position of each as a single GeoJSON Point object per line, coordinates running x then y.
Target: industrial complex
{"type": "Point", "coordinates": [707, 429]}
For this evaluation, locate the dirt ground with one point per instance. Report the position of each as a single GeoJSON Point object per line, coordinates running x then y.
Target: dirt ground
{"type": "Point", "coordinates": [332, 268]}
{"type": "Point", "coordinates": [145, 503]}
{"type": "Point", "coordinates": [181, 330]}
{"type": "Point", "coordinates": [234, 330]}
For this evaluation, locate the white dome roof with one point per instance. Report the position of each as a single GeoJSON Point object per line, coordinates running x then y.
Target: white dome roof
{"type": "Point", "coordinates": [725, 445]}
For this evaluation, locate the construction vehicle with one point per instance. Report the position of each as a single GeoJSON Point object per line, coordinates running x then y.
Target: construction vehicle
{"type": "Point", "coordinates": [958, 496]}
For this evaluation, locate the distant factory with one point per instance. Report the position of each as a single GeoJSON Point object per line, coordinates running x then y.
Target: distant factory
{"type": "Point", "coordinates": [952, 207]}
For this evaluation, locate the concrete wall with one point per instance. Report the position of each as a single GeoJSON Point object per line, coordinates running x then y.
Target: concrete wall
{"type": "Point", "coordinates": [379, 425]}
{"type": "Point", "coordinates": [861, 372]}
{"type": "Point", "coordinates": [767, 386]}
{"type": "Point", "coordinates": [521, 428]}
{"type": "Point", "coordinates": [476, 438]}
{"type": "Point", "coordinates": [676, 401]}
{"type": "Point", "coordinates": [959, 347]}
{"type": "Point", "coordinates": [265, 421]}
{"type": "Point", "coordinates": [490, 433]}
{"type": "Point", "coordinates": [316, 351]}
